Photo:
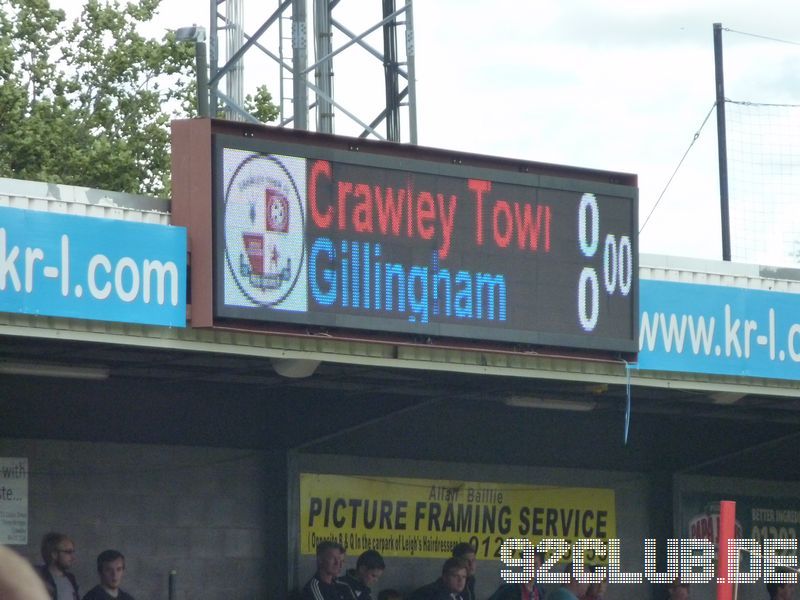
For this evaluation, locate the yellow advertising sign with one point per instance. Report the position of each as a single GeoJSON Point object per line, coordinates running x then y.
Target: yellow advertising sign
{"type": "Point", "coordinates": [426, 517]}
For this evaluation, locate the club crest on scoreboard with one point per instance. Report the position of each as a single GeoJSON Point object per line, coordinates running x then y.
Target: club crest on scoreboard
{"type": "Point", "coordinates": [264, 230]}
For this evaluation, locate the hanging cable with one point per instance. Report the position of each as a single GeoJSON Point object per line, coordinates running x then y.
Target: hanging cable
{"type": "Point", "coordinates": [767, 104]}
{"type": "Point", "coordinates": [763, 37]}
{"type": "Point", "coordinates": [664, 191]}
{"type": "Point", "coordinates": [628, 367]}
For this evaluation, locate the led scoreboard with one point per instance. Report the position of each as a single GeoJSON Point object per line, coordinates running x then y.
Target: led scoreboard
{"type": "Point", "coordinates": [329, 235]}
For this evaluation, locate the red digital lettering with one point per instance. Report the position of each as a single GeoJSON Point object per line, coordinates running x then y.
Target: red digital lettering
{"type": "Point", "coordinates": [318, 169]}
{"type": "Point", "coordinates": [362, 213]}
{"type": "Point", "coordinates": [547, 228]}
{"type": "Point", "coordinates": [409, 197]}
{"type": "Point", "coordinates": [528, 231]}
{"type": "Point", "coordinates": [389, 211]}
{"type": "Point", "coordinates": [426, 213]}
{"type": "Point", "coordinates": [345, 188]}
{"type": "Point", "coordinates": [502, 239]}
{"type": "Point", "coordinates": [446, 218]}
{"type": "Point", "coordinates": [480, 187]}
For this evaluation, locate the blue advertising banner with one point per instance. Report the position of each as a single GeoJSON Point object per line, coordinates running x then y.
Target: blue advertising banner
{"type": "Point", "coordinates": [719, 330]}
{"type": "Point", "coordinates": [90, 268]}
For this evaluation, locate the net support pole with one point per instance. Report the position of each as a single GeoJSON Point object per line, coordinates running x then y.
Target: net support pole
{"type": "Point", "coordinates": [722, 144]}
{"type": "Point", "coordinates": [390, 67]}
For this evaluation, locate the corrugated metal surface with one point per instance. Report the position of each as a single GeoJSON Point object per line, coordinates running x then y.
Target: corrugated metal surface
{"type": "Point", "coordinates": [717, 272]}
{"type": "Point", "coordinates": [85, 202]}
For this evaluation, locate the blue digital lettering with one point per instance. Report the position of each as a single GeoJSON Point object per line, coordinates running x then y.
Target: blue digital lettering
{"type": "Point", "coordinates": [377, 294]}
{"type": "Point", "coordinates": [396, 272]}
{"type": "Point", "coordinates": [418, 281]}
{"type": "Point", "coordinates": [365, 269]}
{"type": "Point", "coordinates": [491, 283]}
{"type": "Point", "coordinates": [355, 259]}
{"type": "Point", "coordinates": [345, 277]}
{"type": "Point", "coordinates": [463, 300]}
{"type": "Point", "coordinates": [355, 278]}
{"type": "Point", "coordinates": [328, 297]}
{"type": "Point", "coordinates": [443, 277]}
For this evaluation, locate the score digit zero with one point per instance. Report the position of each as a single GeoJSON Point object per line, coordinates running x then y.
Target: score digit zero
{"type": "Point", "coordinates": [617, 263]}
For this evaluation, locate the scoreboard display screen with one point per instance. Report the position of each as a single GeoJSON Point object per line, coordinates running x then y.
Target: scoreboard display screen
{"type": "Point", "coordinates": [316, 235]}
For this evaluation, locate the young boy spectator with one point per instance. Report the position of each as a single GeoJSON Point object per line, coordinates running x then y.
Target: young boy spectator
{"type": "Point", "coordinates": [450, 586]}
{"type": "Point", "coordinates": [369, 568]}
{"type": "Point", "coordinates": [467, 551]}
{"type": "Point", "coordinates": [111, 568]}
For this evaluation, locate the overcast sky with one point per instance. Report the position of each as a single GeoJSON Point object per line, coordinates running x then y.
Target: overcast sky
{"type": "Point", "coordinates": [621, 85]}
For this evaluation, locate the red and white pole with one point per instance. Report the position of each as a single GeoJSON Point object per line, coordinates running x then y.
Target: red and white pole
{"type": "Point", "coordinates": [727, 531]}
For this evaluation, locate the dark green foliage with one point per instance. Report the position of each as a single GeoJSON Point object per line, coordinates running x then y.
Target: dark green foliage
{"type": "Point", "coordinates": [260, 105]}
{"type": "Point", "coordinates": [89, 103]}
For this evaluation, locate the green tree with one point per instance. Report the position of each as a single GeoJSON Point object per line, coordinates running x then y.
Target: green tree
{"type": "Point", "coordinates": [89, 102]}
{"type": "Point", "coordinates": [260, 105]}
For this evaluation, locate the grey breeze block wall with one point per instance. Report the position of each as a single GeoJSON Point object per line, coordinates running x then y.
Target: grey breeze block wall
{"type": "Point", "coordinates": [212, 515]}
{"type": "Point", "coordinates": [634, 495]}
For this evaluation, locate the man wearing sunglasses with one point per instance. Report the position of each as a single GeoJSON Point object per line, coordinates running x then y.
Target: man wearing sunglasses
{"type": "Point", "coordinates": [58, 553]}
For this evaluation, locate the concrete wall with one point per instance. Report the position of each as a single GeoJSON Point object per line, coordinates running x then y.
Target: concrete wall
{"type": "Point", "coordinates": [219, 516]}
{"type": "Point", "coordinates": [212, 515]}
{"type": "Point", "coordinates": [634, 499]}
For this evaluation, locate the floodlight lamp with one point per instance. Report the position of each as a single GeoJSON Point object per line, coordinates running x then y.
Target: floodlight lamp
{"type": "Point", "coordinates": [195, 34]}
{"type": "Point", "coordinates": [294, 368]}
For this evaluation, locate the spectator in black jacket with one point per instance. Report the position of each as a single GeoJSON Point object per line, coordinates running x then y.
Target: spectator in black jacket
{"type": "Point", "coordinates": [111, 568]}
{"type": "Point", "coordinates": [58, 554]}
{"type": "Point", "coordinates": [324, 584]}
{"type": "Point", "coordinates": [450, 586]}
{"type": "Point", "coordinates": [369, 568]}
{"type": "Point", "coordinates": [468, 552]}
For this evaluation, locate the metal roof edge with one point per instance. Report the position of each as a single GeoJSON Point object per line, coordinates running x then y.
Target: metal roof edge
{"type": "Point", "coordinates": [716, 267]}
{"type": "Point", "coordinates": [58, 192]}
{"type": "Point", "coordinates": [655, 267]}
{"type": "Point", "coordinates": [380, 355]}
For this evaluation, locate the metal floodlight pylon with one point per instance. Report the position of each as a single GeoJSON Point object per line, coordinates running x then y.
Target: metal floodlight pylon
{"type": "Point", "coordinates": [282, 37]}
